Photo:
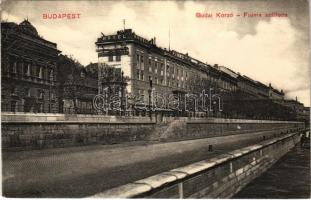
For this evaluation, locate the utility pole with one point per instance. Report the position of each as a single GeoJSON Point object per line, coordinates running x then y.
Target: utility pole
{"type": "Point", "coordinates": [169, 38]}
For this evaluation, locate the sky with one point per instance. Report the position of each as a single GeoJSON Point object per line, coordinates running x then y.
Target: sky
{"type": "Point", "coordinates": [268, 49]}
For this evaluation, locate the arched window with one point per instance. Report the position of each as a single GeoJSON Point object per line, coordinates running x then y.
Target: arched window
{"type": "Point", "coordinates": [40, 72]}
{"type": "Point", "coordinates": [51, 75]}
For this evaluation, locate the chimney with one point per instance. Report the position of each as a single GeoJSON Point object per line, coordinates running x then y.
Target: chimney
{"type": "Point", "coordinates": [296, 98]}
{"type": "Point", "coordinates": [154, 40]}
{"type": "Point", "coordinates": [270, 85]}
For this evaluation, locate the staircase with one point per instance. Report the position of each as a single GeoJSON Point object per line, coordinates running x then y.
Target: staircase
{"type": "Point", "coordinates": [165, 131]}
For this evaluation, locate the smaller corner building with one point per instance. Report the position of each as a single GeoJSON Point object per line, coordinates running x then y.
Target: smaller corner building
{"type": "Point", "coordinates": [28, 70]}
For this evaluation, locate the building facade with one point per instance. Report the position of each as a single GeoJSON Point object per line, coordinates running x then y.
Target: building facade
{"type": "Point", "coordinates": [28, 70]}
{"type": "Point", "coordinates": [158, 71]}
{"type": "Point", "coordinates": [167, 71]}
{"type": "Point", "coordinates": [275, 94]}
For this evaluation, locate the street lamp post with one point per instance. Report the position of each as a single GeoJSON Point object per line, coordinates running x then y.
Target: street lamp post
{"type": "Point", "coordinates": [149, 92]}
{"type": "Point", "coordinates": [51, 82]}
{"type": "Point", "coordinates": [122, 92]}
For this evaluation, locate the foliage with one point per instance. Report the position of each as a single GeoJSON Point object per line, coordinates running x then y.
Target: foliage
{"type": "Point", "coordinates": [68, 73]}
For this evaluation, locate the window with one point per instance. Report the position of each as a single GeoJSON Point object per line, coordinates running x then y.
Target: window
{"type": "Point", "coordinates": [27, 69]}
{"type": "Point", "coordinates": [110, 58]}
{"type": "Point", "coordinates": [40, 72]}
{"type": "Point", "coordinates": [149, 61]}
{"type": "Point", "coordinates": [168, 70]}
{"type": "Point", "coordinates": [161, 69]}
{"type": "Point", "coordinates": [52, 96]}
{"type": "Point", "coordinates": [142, 59]}
{"type": "Point", "coordinates": [41, 94]}
{"type": "Point", "coordinates": [14, 70]}
{"type": "Point", "coordinates": [142, 75]}
{"type": "Point", "coordinates": [118, 58]}
{"type": "Point", "coordinates": [137, 58]}
{"type": "Point", "coordinates": [138, 74]}
{"type": "Point", "coordinates": [51, 75]}
{"type": "Point", "coordinates": [27, 93]}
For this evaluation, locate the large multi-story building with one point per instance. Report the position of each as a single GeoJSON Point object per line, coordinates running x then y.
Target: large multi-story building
{"type": "Point", "coordinates": [252, 88]}
{"type": "Point", "coordinates": [171, 72]}
{"type": "Point", "coordinates": [142, 61]}
{"type": "Point", "coordinates": [257, 90]}
{"type": "Point", "coordinates": [275, 94]}
{"type": "Point", "coordinates": [28, 69]}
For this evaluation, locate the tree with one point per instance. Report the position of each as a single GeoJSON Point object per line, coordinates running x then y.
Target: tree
{"type": "Point", "coordinates": [69, 75]}
{"type": "Point", "coordinates": [112, 82]}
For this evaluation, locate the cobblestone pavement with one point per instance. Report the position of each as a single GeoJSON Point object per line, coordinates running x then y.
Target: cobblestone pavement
{"type": "Point", "coordinates": [288, 178]}
{"type": "Point", "coordinates": [83, 171]}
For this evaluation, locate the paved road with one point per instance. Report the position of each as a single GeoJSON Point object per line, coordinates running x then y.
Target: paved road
{"type": "Point", "coordinates": [83, 171]}
{"type": "Point", "coordinates": [289, 178]}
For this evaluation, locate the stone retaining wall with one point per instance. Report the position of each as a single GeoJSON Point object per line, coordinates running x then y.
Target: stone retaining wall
{"type": "Point", "coordinates": [27, 136]}
{"type": "Point", "coordinates": [38, 131]}
{"type": "Point", "coordinates": [192, 129]}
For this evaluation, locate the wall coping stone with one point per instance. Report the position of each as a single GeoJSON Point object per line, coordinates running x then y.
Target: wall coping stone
{"type": "Point", "coordinates": [74, 122]}
{"type": "Point", "coordinates": [157, 180]}
{"type": "Point", "coordinates": [127, 190]}
{"type": "Point", "coordinates": [7, 117]}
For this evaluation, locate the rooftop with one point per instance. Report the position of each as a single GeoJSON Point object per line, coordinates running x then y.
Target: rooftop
{"type": "Point", "coordinates": [128, 35]}
{"type": "Point", "coordinates": [26, 30]}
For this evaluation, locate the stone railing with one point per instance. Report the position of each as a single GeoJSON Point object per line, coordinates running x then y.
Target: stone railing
{"type": "Point", "coordinates": [219, 177]}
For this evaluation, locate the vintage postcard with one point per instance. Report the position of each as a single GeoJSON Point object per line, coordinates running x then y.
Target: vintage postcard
{"type": "Point", "coordinates": [155, 99]}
